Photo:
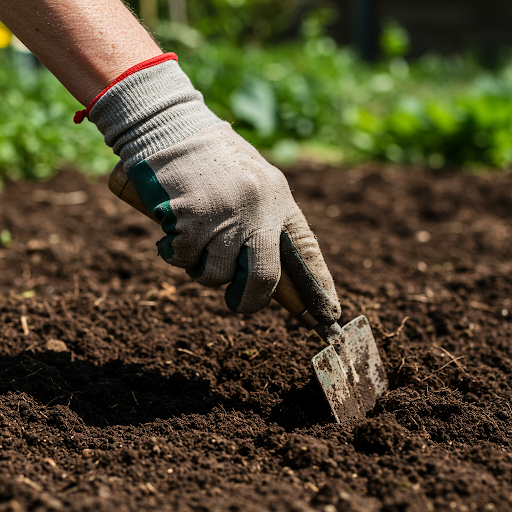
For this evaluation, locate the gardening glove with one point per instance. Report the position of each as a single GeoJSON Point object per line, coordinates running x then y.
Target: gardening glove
{"type": "Point", "coordinates": [229, 216]}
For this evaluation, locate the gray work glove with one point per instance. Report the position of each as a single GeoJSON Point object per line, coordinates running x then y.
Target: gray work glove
{"type": "Point", "coordinates": [228, 215]}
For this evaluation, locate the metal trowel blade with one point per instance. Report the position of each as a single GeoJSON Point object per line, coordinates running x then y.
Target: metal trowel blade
{"type": "Point", "coordinates": [350, 370]}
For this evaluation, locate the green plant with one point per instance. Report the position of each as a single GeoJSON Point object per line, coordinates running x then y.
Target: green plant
{"type": "Point", "coordinates": [37, 133]}
{"type": "Point", "coordinates": [310, 96]}
{"type": "Point", "coordinates": [435, 111]}
{"type": "Point", "coordinates": [394, 39]}
{"type": "Point", "coordinates": [236, 22]}
{"type": "Point", "coordinates": [5, 237]}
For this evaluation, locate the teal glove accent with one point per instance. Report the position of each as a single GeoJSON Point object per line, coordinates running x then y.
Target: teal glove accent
{"type": "Point", "coordinates": [235, 291]}
{"type": "Point", "coordinates": [198, 271]}
{"type": "Point", "coordinates": [156, 200]}
{"type": "Point", "coordinates": [148, 188]}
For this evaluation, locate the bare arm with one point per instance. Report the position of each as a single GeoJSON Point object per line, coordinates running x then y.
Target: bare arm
{"type": "Point", "coordinates": [85, 44]}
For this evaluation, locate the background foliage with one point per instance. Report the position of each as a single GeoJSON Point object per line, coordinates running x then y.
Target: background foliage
{"type": "Point", "coordinates": [37, 134]}
{"type": "Point", "coordinates": [289, 98]}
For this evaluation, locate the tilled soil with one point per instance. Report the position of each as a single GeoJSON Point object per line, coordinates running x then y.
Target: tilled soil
{"type": "Point", "coordinates": [125, 386]}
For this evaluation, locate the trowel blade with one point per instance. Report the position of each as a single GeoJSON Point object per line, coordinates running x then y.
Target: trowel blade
{"type": "Point", "coordinates": [350, 370]}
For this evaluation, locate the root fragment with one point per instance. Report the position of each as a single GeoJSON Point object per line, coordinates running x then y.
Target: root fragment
{"type": "Point", "coordinates": [444, 366]}
{"type": "Point", "coordinates": [24, 325]}
{"type": "Point", "coordinates": [397, 332]}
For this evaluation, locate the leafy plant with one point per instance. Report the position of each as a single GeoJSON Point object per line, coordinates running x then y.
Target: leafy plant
{"type": "Point", "coordinates": [394, 39]}
{"type": "Point", "coordinates": [37, 133]}
{"type": "Point", "coordinates": [5, 237]}
{"type": "Point", "coordinates": [309, 96]}
{"type": "Point", "coordinates": [435, 111]}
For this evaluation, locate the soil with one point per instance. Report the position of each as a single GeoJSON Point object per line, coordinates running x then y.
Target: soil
{"type": "Point", "coordinates": [125, 386]}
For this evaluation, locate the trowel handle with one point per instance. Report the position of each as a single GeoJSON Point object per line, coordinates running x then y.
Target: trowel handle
{"type": "Point", "coordinates": [286, 293]}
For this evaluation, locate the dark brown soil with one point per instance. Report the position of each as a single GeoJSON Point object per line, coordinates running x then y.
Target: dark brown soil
{"type": "Point", "coordinates": [161, 399]}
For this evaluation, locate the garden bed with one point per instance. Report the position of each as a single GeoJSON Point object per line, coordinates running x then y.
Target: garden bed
{"type": "Point", "coordinates": [125, 386]}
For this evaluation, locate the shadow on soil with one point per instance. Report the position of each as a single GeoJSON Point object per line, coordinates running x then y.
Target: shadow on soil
{"type": "Point", "coordinates": [117, 393]}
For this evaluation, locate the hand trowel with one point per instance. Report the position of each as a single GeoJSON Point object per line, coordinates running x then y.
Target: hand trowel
{"type": "Point", "coordinates": [349, 369]}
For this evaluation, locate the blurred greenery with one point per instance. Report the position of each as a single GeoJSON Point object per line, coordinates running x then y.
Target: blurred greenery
{"type": "Point", "coordinates": [316, 97]}
{"type": "Point", "coordinates": [241, 22]}
{"type": "Point", "coordinates": [394, 39]}
{"type": "Point", "coordinates": [307, 97]}
{"type": "Point", "coordinates": [37, 133]}
{"type": "Point", "coordinates": [5, 237]}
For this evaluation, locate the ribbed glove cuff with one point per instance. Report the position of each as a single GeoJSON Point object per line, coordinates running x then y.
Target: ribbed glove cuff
{"type": "Point", "coordinates": [148, 108]}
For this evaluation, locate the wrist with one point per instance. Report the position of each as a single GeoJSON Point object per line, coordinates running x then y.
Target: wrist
{"type": "Point", "coordinates": [109, 83]}
{"type": "Point", "coordinates": [150, 107]}
{"type": "Point", "coordinates": [102, 72]}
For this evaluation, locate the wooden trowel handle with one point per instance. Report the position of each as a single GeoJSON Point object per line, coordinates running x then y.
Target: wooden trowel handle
{"type": "Point", "coordinates": [286, 293]}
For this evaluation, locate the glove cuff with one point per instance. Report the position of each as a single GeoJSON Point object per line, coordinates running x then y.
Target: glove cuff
{"type": "Point", "coordinates": [82, 114]}
{"type": "Point", "coordinates": [150, 107]}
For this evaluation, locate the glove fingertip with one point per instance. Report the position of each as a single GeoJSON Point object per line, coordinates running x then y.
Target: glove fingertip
{"type": "Point", "coordinates": [327, 311]}
{"type": "Point", "coordinates": [165, 249]}
{"type": "Point", "coordinates": [256, 277]}
{"type": "Point", "coordinates": [197, 271]}
{"type": "Point", "coordinates": [235, 290]}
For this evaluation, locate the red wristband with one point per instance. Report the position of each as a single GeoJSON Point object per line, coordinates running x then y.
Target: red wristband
{"type": "Point", "coordinates": [82, 114]}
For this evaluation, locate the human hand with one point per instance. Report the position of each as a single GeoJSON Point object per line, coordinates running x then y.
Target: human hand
{"type": "Point", "coordinates": [229, 215]}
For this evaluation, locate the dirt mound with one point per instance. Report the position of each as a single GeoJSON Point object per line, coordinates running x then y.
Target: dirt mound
{"type": "Point", "coordinates": [126, 386]}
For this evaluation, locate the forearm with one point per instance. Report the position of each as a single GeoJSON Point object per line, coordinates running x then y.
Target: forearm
{"type": "Point", "coordinates": [85, 44]}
